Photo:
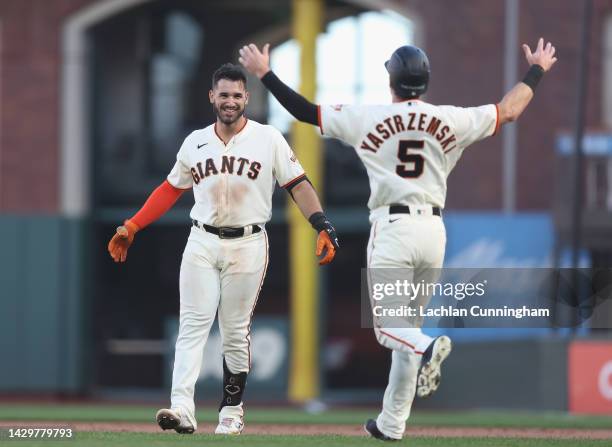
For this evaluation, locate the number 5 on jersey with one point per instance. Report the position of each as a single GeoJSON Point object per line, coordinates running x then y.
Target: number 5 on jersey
{"type": "Point", "coordinates": [417, 160]}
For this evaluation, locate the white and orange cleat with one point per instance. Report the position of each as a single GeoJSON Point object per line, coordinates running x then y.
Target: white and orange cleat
{"type": "Point", "coordinates": [231, 420]}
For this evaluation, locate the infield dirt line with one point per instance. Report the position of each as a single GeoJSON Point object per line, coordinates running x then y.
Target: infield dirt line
{"type": "Point", "coordinates": [325, 429]}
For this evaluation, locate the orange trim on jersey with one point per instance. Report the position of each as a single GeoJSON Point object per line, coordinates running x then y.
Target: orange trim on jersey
{"type": "Point", "coordinates": [295, 180]}
{"type": "Point", "coordinates": [158, 204]}
{"type": "Point", "coordinates": [248, 337]}
{"type": "Point", "coordinates": [320, 122]}
{"type": "Point", "coordinates": [496, 120]}
{"type": "Point", "coordinates": [404, 342]}
{"type": "Point", "coordinates": [246, 120]}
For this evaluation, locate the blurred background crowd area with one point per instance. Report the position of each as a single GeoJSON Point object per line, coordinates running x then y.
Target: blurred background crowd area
{"type": "Point", "coordinates": [96, 97]}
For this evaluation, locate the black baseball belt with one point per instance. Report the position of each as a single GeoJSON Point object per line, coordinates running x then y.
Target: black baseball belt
{"type": "Point", "coordinates": [225, 232]}
{"type": "Point", "coordinates": [405, 209]}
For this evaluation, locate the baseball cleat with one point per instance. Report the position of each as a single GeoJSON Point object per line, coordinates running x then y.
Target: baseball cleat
{"type": "Point", "coordinates": [229, 426]}
{"type": "Point", "coordinates": [231, 420]}
{"type": "Point", "coordinates": [372, 429]}
{"type": "Point", "coordinates": [173, 419]}
{"type": "Point", "coordinates": [430, 373]}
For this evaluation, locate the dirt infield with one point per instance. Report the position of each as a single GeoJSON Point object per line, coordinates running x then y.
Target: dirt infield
{"type": "Point", "coordinates": [321, 429]}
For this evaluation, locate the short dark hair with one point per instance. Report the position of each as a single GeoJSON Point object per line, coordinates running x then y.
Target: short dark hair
{"type": "Point", "coordinates": [229, 71]}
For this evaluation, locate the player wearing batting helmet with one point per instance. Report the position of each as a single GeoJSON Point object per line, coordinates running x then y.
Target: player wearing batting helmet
{"type": "Point", "coordinates": [408, 70]}
{"type": "Point", "coordinates": [409, 148]}
{"type": "Point", "coordinates": [231, 167]}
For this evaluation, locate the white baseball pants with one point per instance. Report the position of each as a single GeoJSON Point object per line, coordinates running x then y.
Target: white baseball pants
{"type": "Point", "coordinates": [404, 241]}
{"type": "Point", "coordinates": [217, 275]}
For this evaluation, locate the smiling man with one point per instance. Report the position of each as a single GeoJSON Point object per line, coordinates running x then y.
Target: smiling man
{"type": "Point", "coordinates": [231, 166]}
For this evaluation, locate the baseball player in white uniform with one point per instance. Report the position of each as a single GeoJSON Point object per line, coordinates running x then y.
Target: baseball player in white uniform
{"type": "Point", "coordinates": [232, 167]}
{"type": "Point", "coordinates": [409, 148]}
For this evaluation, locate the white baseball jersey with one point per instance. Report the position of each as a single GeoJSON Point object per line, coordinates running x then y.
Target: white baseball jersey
{"type": "Point", "coordinates": [408, 148]}
{"type": "Point", "coordinates": [233, 184]}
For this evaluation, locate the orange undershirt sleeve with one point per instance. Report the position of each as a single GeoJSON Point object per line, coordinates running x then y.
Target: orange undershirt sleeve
{"type": "Point", "coordinates": [158, 203]}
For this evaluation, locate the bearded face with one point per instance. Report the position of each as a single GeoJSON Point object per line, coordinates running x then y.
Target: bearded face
{"type": "Point", "coordinates": [228, 99]}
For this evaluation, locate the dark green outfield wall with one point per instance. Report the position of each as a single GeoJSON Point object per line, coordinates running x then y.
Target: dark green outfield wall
{"type": "Point", "coordinates": [46, 344]}
{"type": "Point", "coordinates": [42, 324]}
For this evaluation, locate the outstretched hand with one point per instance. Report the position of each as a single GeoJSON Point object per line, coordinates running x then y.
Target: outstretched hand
{"type": "Point", "coordinates": [256, 62]}
{"type": "Point", "coordinates": [542, 56]}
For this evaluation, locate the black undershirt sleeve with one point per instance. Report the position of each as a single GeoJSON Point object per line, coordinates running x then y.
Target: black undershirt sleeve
{"type": "Point", "coordinates": [296, 104]}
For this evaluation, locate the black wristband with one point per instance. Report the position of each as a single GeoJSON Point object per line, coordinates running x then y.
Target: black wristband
{"type": "Point", "coordinates": [318, 221]}
{"type": "Point", "coordinates": [533, 76]}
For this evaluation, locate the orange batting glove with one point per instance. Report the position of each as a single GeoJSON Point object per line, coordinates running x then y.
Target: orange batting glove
{"type": "Point", "coordinates": [324, 243]}
{"type": "Point", "coordinates": [327, 241]}
{"type": "Point", "coordinates": [121, 241]}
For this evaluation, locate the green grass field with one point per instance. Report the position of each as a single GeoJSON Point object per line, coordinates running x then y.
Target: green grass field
{"type": "Point", "coordinates": [255, 415]}
{"type": "Point", "coordinates": [141, 439]}
{"type": "Point", "coordinates": [138, 413]}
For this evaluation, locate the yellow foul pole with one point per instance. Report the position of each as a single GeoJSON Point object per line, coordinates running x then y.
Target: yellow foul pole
{"type": "Point", "coordinates": [304, 366]}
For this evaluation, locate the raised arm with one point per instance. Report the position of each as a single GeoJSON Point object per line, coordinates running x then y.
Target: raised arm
{"type": "Point", "coordinates": [258, 64]}
{"type": "Point", "coordinates": [517, 99]}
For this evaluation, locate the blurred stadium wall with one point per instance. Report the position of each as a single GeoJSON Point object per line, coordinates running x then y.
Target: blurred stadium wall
{"type": "Point", "coordinates": [96, 96]}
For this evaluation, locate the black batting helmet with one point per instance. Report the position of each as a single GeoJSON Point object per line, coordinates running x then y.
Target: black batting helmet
{"type": "Point", "coordinates": [408, 70]}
